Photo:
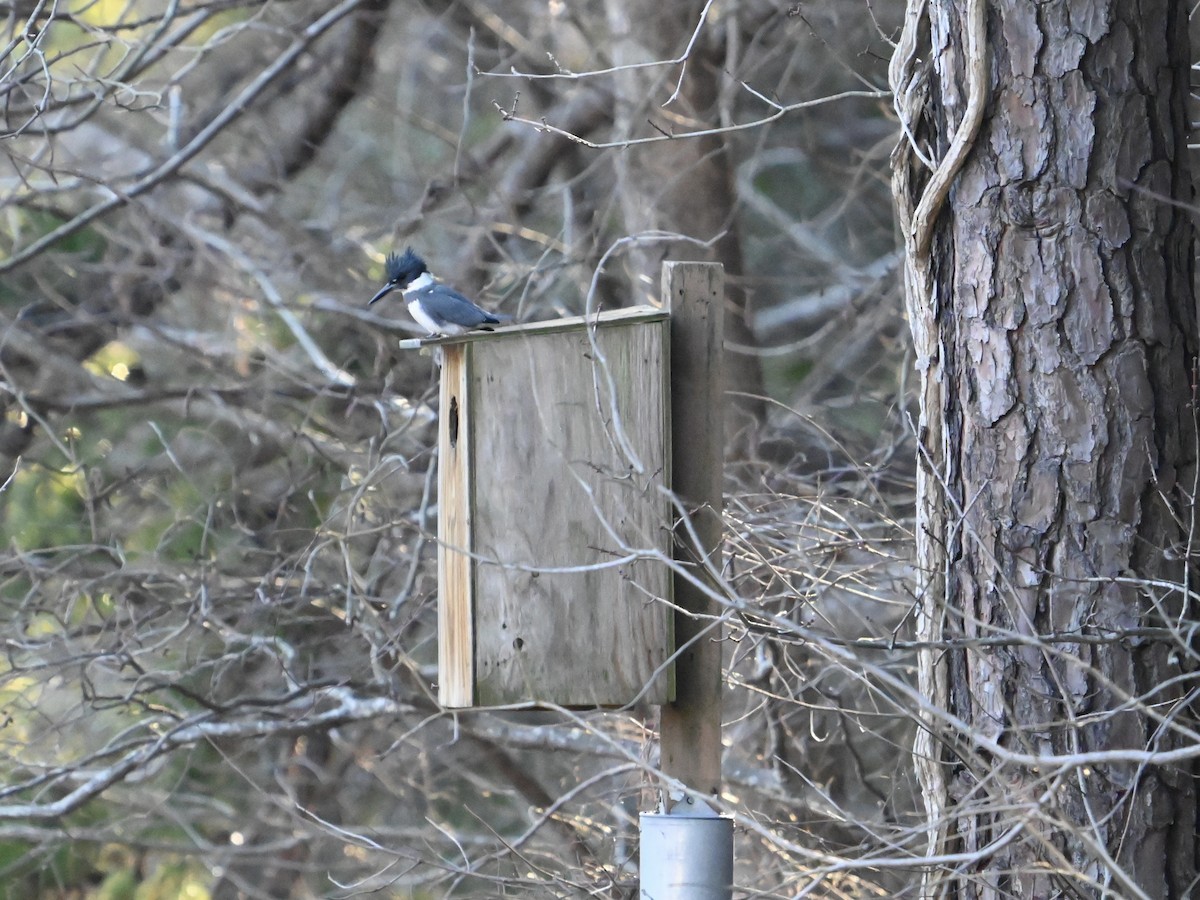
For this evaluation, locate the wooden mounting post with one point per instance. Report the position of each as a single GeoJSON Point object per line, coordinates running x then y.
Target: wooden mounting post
{"type": "Point", "coordinates": [691, 725]}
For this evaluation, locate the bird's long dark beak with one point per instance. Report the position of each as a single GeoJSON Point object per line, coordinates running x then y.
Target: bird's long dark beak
{"type": "Point", "coordinates": [383, 292]}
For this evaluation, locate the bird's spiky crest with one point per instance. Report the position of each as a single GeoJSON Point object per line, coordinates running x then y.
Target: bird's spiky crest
{"type": "Point", "coordinates": [407, 266]}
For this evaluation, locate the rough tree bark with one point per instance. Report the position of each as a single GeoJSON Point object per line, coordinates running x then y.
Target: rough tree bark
{"type": "Point", "coordinates": [1050, 291]}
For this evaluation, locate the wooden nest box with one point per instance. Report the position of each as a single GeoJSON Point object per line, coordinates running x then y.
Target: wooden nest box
{"type": "Point", "coordinates": [554, 522]}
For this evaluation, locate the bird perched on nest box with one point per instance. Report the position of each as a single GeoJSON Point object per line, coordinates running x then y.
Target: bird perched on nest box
{"type": "Point", "coordinates": [439, 308]}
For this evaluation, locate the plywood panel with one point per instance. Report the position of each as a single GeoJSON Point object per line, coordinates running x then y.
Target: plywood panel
{"type": "Point", "coordinates": [570, 454]}
{"type": "Point", "coordinates": [455, 569]}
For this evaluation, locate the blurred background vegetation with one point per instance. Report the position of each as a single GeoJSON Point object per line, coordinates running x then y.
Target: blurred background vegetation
{"type": "Point", "coordinates": [217, 573]}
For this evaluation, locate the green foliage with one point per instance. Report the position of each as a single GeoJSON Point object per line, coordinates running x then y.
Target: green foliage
{"type": "Point", "coordinates": [115, 359]}
{"type": "Point", "coordinates": [111, 872]}
{"type": "Point", "coordinates": [786, 374]}
{"type": "Point", "coordinates": [119, 885]}
{"type": "Point", "coordinates": [30, 223]}
{"type": "Point", "coordinates": [44, 508]}
{"type": "Point", "coordinates": [28, 871]}
{"type": "Point", "coordinates": [174, 879]}
{"type": "Point", "coordinates": [799, 189]}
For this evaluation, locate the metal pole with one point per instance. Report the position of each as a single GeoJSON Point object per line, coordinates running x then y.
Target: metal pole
{"type": "Point", "coordinates": [686, 857]}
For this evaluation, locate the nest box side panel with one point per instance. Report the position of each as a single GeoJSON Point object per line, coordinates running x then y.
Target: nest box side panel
{"type": "Point", "coordinates": [572, 450]}
{"type": "Point", "coordinates": [455, 569]}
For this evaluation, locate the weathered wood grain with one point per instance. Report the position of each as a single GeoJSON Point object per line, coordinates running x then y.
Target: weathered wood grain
{"type": "Point", "coordinates": [455, 581]}
{"type": "Point", "coordinates": [569, 521]}
{"type": "Point", "coordinates": [691, 725]}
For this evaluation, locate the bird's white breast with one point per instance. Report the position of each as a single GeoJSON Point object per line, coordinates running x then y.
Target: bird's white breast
{"type": "Point", "coordinates": [415, 310]}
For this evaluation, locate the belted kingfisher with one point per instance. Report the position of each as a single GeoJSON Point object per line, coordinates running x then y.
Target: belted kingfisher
{"type": "Point", "coordinates": [439, 308]}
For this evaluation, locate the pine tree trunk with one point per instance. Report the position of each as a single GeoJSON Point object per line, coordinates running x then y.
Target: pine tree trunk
{"type": "Point", "coordinates": [1051, 297]}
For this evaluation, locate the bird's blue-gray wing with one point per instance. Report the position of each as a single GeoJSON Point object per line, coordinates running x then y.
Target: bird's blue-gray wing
{"type": "Point", "coordinates": [448, 305]}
